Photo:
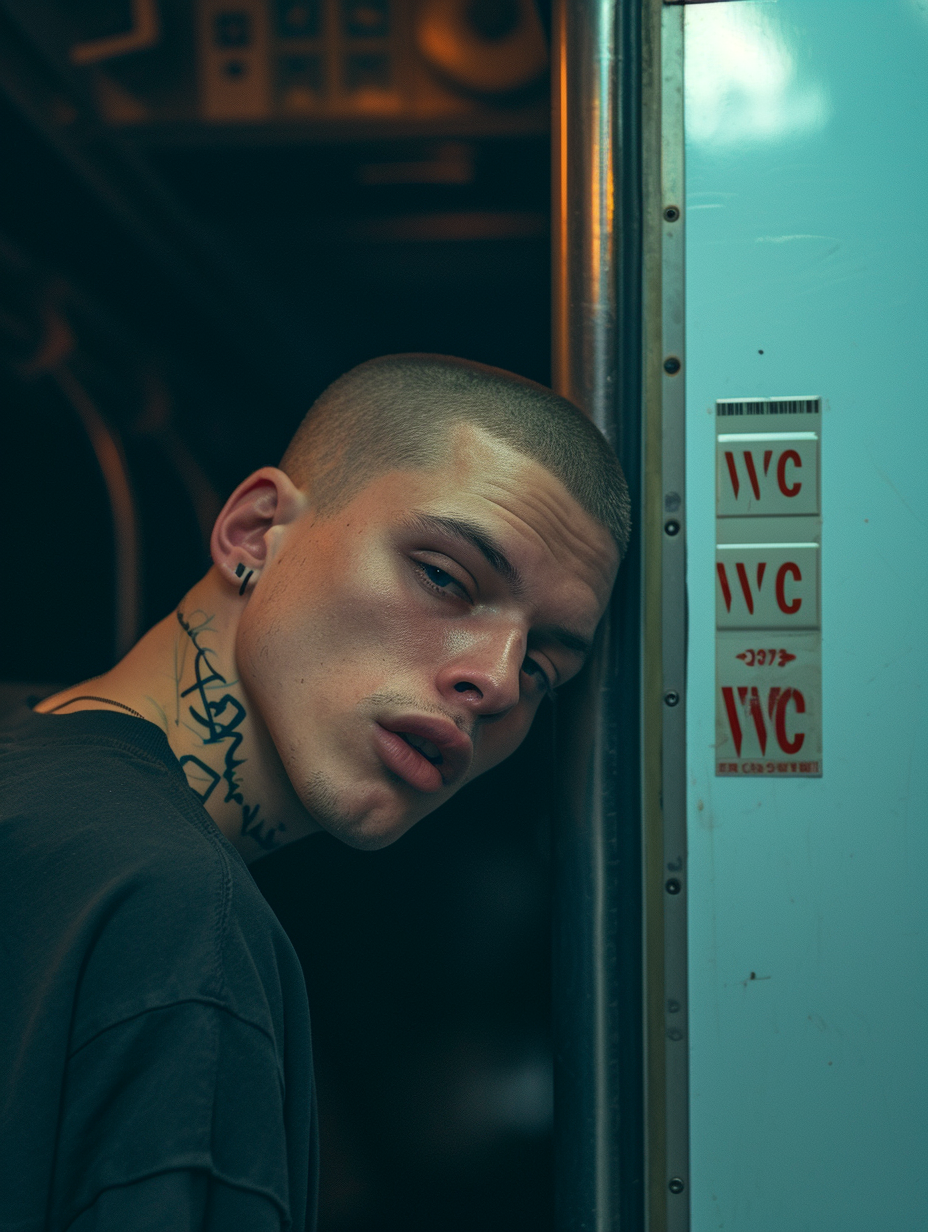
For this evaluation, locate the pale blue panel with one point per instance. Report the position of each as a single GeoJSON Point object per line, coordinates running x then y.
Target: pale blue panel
{"type": "Point", "coordinates": [807, 239]}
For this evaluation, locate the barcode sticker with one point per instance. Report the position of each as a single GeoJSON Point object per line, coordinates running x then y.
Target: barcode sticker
{"type": "Point", "coordinates": [768, 406]}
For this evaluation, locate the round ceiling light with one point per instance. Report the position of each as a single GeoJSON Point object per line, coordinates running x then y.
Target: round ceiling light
{"type": "Point", "coordinates": [487, 46]}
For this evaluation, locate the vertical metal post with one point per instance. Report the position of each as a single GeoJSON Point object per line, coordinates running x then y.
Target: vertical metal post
{"type": "Point", "coordinates": [598, 1008]}
{"type": "Point", "coordinates": [671, 1173]}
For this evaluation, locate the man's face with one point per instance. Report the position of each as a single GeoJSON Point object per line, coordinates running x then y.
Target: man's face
{"type": "Point", "coordinates": [402, 646]}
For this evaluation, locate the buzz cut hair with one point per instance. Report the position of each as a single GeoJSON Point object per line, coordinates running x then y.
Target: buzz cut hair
{"type": "Point", "coordinates": [396, 413]}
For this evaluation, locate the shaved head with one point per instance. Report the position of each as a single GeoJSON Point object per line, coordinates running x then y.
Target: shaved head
{"type": "Point", "coordinates": [395, 413]}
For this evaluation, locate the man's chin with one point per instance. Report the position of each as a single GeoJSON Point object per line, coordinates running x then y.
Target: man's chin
{"type": "Point", "coordinates": [362, 839]}
{"type": "Point", "coordinates": [366, 833]}
{"type": "Point", "coordinates": [365, 824]}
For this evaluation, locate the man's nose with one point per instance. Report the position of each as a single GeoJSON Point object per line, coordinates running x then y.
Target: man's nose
{"type": "Point", "coordinates": [485, 673]}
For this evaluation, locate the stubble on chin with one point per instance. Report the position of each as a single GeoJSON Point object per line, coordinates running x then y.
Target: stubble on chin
{"type": "Point", "coordinates": [321, 800]}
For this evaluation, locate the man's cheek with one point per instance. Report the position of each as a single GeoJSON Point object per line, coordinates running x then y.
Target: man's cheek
{"type": "Point", "coordinates": [360, 615]}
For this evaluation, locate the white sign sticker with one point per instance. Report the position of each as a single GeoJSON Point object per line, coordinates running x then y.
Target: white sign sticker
{"type": "Point", "coordinates": [769, 709]}
{"type": "Point", "coordinates": [767, 473]}
{"type": "Point", "coordinates": [767, 587]}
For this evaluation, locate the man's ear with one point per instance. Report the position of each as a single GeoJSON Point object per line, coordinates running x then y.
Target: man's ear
{"type": "Point", "coordinates": [239, 543]}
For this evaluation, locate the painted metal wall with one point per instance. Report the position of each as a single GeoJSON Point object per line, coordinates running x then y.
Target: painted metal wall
{"type": "Point", "coordinates": [807, 273]}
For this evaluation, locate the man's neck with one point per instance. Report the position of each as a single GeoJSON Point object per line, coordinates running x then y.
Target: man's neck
{"type": "Point", "coordinates": [182, 676]}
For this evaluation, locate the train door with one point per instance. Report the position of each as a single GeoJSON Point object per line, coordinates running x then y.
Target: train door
{"type": "Point", "coordinates": [740, 302]}
{"type": "Point", "coordinates": [802, 157]}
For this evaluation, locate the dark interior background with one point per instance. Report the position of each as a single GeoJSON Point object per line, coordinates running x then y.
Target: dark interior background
{"type": "Point", "coordinates": [191, 283]}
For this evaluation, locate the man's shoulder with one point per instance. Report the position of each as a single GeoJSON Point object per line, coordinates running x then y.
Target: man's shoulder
{"type": "Point", "coordinates": [91, 751]}
{"type": "Point", "coordinates": [111, 869]}
{"type": "Point", "coordinates": [95, 789]}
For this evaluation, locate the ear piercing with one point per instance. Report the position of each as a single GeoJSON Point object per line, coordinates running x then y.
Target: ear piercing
{"type": "Point", "coordinates": [239, 570]}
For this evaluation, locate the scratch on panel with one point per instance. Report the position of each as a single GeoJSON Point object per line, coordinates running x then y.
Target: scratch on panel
{"type": "Point", "coordinates": [902, 501]}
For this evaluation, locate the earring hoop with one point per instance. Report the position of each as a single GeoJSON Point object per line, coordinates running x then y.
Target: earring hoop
{"type": "Point", "coordinates": [239, 570]}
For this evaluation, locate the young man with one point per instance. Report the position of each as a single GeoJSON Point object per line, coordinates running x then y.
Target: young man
{"type": "Point", "coordinates": [384, 615]}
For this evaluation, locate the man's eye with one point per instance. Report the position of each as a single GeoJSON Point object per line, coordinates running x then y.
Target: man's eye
{"type": "Point", "coordinates": [440, 580]}
{"type": "Point", "coordinates": [541, 676]}
{"type": "Point", "coordinates": [438, 576]}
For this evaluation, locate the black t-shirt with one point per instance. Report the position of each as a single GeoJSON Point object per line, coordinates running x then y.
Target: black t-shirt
{"type": "Point", "coordinates": [155, 1063]}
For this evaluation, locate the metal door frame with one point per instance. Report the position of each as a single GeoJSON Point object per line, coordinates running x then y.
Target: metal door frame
{"type": "Point", "coordinates": [621, 1099]}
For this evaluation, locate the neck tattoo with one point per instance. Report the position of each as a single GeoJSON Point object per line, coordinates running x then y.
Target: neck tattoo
{"type": "Point", "coordinates": [218, 718]}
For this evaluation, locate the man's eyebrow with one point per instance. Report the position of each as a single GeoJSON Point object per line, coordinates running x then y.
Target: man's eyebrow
{"type": "Point", "coordinates": [477, 536]}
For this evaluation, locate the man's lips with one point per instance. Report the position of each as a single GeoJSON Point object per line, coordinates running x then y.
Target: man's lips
{"type": "Point", "coordinates": [421, 767]}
